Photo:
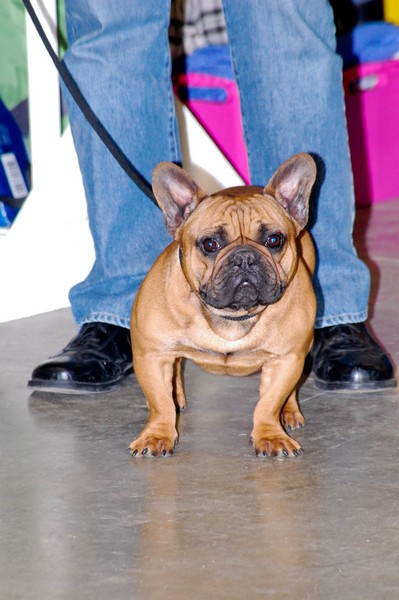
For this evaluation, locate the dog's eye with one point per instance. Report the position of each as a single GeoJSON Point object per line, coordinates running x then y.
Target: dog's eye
{"type": "Point", "coordinates": [210, 245]}
{"type": "Point", "coordinates": [275, 241]}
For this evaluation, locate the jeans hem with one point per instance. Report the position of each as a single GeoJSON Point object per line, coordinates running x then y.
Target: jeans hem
{"type": "Point", "coordinates": [108, 318]}
{"type": "Point", "coordinates": [341, 319]}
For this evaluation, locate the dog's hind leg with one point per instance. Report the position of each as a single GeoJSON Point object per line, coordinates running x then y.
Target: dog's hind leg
{"type": "Point", "coordinates": [291, 416]}
{"type": "Point", "coordinates": [178, 388]}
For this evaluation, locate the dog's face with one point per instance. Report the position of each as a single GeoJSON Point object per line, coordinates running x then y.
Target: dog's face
{"type": "Point", "coordinates": [237, 247]}
{"type": "Point", "coordinates": [236, 250]}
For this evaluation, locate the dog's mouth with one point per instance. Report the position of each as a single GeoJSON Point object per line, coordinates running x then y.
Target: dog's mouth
{"type": "Point", "coordinates": [246, 296]}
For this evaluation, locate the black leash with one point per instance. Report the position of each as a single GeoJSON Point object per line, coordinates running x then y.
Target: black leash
{"type": "Point", "coordinates": [82, 103]}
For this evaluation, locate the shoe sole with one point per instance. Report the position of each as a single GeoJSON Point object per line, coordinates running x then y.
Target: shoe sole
{"type": "Point", "coordinates": [57, 387]}
{"type": "Point", "coordinates": [339, 386]}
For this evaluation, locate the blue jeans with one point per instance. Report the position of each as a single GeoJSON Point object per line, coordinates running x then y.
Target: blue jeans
{"type": "Point", "coordinates": [289, 79]}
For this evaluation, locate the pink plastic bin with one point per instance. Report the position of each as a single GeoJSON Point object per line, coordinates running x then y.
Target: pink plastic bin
{"type": "Point", "coordinates": [221, 119]}
{"type": "Point", "coordinates": [372, 106]}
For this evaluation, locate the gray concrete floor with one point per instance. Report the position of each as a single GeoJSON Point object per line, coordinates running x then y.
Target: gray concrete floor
{"type": "Point", "coordinates": [81, 519]}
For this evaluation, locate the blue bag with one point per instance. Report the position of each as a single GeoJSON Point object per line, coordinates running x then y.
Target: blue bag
{"type": "Point", "coordinates": [14, 167]}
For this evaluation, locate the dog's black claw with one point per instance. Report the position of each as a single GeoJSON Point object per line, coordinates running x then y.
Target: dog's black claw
{"type": "Point", "coordinates": [285, 453]}
{"type": "Point", "coordinates": [144, 452]}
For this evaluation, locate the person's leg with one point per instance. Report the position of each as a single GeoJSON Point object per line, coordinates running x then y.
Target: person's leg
{"type": "Point", "coordinates": [120, 59]}
{"type": "Point", "coordinates": [290, 83]}
{"type": "Point", "coordinates": [291, 99]}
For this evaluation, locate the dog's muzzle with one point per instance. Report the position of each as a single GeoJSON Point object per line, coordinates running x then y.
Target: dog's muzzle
{"type": "Point", "coordinates": [245, 279]}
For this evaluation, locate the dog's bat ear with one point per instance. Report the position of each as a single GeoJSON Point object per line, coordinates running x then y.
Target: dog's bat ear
{"type": "Point", "coordinates": [291, 185]}
{"type": "Point", "coordinates": [176, 192]}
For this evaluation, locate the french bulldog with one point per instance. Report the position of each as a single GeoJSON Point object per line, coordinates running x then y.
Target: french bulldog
{"type": "Point", "coordinates": [233, 293]}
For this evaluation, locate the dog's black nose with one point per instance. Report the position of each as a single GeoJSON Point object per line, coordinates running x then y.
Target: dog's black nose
{"type": "Point", "coordinates": [243, 258]}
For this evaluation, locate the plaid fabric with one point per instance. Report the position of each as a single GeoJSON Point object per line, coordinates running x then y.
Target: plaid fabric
{"type": "Point", "coordinates": [195, 24]}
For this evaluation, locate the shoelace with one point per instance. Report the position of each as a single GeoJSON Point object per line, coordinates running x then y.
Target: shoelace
{"type": "Point", "coordinates": [90, 335]}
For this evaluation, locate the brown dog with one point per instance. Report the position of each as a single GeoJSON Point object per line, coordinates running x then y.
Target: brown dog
{"type": "Point", "coordinates": [233, 293]}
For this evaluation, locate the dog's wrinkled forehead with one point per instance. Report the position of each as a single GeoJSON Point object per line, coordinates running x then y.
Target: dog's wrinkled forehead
{"type": "Point", "coordinates": [233, 216]}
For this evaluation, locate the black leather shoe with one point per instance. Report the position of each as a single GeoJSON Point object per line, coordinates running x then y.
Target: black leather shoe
{"type": "Point", "coordinates": [96, 360]}
{"type": "Point", "coordinates": [346, 357]}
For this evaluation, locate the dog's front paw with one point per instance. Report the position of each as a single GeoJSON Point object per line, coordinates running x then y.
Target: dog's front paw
{"type": "Point", "coordinates": [275, 443]}
{"type": "Point", "coordinates": [153, 444]}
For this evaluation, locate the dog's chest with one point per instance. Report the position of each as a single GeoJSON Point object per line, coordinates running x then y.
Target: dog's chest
{"type": "Point", "coordinates": [229, 364]}
{"type": "Point", "coordinates": [225, 358]}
